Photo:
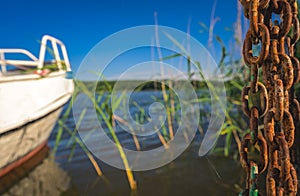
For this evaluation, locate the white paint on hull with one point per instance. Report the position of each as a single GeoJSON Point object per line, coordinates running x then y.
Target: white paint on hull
{"type": "Point", "coordinates": [24, 98]}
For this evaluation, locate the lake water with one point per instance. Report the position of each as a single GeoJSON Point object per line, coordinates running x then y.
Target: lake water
{"type": "Point", "coordinates": [189, 174]}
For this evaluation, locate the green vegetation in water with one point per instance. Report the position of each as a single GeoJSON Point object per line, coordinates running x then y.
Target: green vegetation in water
{"type": "Point", "coordinates": [233, 129]}
{"type": "Point", "coordinates": [101, 101]}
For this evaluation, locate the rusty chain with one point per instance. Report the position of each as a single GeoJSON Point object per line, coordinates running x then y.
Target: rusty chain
{"type": "Point", "coordinates": [271, 102]}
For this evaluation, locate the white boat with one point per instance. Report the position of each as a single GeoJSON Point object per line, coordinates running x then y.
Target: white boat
{"type": "Point", "coordinates": [31, 97]}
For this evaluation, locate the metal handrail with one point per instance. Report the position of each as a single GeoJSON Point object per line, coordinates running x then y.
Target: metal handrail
{"type": "Point", "coordinates": [34, 61]}
{"type": "Point", "coordinates": [54, 43]}
{"type": "Point", "coordinates": [38, 62]}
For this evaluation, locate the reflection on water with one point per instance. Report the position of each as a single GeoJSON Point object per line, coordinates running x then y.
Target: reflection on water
{"type": "Point", "coordinates": [38, 176]}
{"type": "Point", "coordinates": [187, 175]}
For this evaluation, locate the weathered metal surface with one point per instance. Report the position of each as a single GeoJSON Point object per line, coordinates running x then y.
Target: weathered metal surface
{"type": "Point", "coordinates": [273, 102]}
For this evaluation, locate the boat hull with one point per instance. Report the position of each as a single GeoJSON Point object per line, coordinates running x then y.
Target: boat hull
{"type": "Point", "coordinates": [20, 144]}
{"type": "Point", "coordinates": [25, 98]}
{"type": "Point", "coordinates": [29, 108]}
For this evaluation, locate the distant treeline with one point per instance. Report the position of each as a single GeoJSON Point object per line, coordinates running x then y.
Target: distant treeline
{"type": "Point", "coordinates": [156, 85]}
{"type": "Point", "coordinates": [144, 85]}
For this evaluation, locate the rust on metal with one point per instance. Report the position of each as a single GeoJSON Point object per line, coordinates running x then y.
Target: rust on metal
{"type": "Point", "coordinates": [272, 102]}
{"type": "Point", "coordinates": [258, 99]}
{"type": "Point", "coordinates": [245, 145]}
{"type": "Point", "coordinates": [264, 38]}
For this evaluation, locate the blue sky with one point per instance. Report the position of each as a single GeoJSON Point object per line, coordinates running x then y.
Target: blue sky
{"type": "Point", "coordinates": [82, 24]}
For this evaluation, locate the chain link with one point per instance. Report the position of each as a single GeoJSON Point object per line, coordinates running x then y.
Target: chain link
{"type": "Point", "coordinates": [272, 102]}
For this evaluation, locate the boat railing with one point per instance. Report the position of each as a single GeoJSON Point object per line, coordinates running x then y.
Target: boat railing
{"type": "Point", "coordinates": [37, 62]}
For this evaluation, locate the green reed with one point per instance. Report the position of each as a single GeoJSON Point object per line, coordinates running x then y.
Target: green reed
{"type": "Point", "coordinates": [232, 130]}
